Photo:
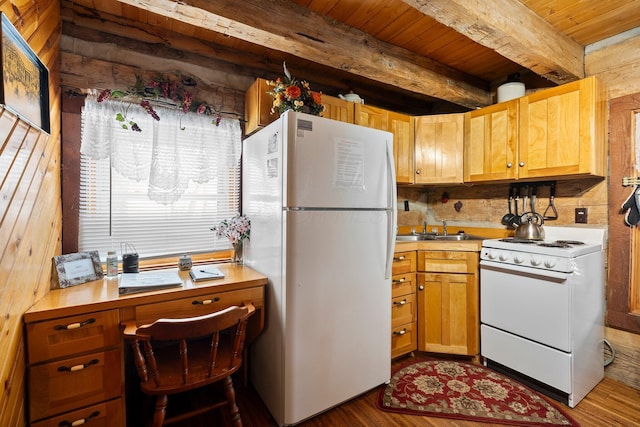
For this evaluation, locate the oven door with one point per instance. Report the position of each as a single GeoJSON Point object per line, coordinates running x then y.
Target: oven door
{"type": "Point", "coordinates": [530, 303]}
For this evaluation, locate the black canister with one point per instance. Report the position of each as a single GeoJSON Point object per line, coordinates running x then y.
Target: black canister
{"type": "Point", "coordinates": [130, 263]}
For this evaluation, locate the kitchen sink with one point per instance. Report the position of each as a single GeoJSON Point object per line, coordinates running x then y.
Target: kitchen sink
{"type": "Point", "coordinates": [450, 237]}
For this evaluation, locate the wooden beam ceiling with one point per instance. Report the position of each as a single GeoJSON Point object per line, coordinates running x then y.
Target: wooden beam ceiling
{"type": "Point", "coordinates": [313, 37]}
{"type": "Point", "coordinates": [512, 30]}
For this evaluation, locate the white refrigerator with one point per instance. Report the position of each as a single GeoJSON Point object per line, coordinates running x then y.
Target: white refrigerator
{"type": "Point", "coordinates": [321, 197]}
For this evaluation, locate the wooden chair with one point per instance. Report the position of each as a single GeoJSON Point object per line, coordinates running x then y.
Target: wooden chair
{"type": "Point", "coordinates": [178, 355]}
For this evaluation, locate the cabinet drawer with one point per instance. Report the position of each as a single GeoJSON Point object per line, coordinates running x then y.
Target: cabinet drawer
{"type": "Point", "coordinates": [61, 386]}
{"type": "Point", "coordinates": [107, 414]}
{"type": "Point", "coordinates": [402, 284]}
{"type": "Point", "coordinates": [448, 261]}
{"type": "Point", "coordinates": [403, 310]}
{"type": "Point", "coordinates": [72, 335]}
{"type": "Point", "coordinates": [403, 262]}
{"type": "Point", "coordinates": [403, 339]}
{"type": "Point", "coordinates": [197, 306]}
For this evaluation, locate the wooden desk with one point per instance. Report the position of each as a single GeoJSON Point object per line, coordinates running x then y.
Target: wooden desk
{"type": "Point", "coordinates": [75, 352]}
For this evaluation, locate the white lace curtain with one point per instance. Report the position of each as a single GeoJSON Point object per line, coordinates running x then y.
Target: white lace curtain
{"type": "Point", "coordinates": [169, 153]}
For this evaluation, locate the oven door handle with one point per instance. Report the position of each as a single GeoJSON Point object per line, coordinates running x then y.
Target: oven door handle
{"type": "Point", "coordinates": [552, 276]}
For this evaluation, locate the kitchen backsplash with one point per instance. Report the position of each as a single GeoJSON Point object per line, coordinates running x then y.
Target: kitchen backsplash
{"type": "Point", "coordinates": [484, 205]}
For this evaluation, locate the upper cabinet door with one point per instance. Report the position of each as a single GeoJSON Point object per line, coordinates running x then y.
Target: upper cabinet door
{"type": "Point", "coordinates": [257, 107]}
{"type": "Point", "coordinates": [371, 117]}
{"type": "Point", "coordinates": [562, 131]}
{"type": "Point", "coordinates": [439, 141]}
{"type": "Point", "coordinates": [338, 109]}
{"type": "Point", "coordinates": [490, 143]}
{"type": "Point", "coordinates": [401, 126]}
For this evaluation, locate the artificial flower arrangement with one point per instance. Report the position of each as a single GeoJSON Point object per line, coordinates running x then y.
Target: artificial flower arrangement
{"type": "Point", "coordinates": [158, 89]}
{"type": "Point", "coordinates": [296, 95]}
{"type": "Point", "coordinates": [235, 229]}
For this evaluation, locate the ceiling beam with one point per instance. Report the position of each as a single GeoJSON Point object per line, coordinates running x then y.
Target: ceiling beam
{"type": "Point", "coordinates": [512, 30]}
{"type": "Point", "coordinates": [311, 36]}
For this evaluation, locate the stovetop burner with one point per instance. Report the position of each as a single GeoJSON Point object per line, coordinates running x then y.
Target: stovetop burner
{"type": "Point", "coordinates": [553, 244]}
{"type": "Point", "coordinates": [570, 242]}
{"type": "Point", "coordinates": [519, 240]}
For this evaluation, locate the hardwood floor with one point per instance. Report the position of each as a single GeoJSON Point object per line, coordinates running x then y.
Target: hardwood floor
{"type": "Point", "coordinates": [610, 404]}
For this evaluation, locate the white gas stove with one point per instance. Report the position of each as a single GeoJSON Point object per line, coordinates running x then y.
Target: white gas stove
{"type": "Point", "coordinates": [542, 310]}
{"type": "Point", "coordinates": [555, 253]}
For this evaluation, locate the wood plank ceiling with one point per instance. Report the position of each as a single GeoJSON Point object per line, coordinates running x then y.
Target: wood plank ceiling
{"type": "Point", "coordinates": [415, 56]}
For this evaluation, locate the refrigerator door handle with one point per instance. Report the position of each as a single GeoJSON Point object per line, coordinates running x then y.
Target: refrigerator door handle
{"type": "Point", "coordinates": [392, 210]}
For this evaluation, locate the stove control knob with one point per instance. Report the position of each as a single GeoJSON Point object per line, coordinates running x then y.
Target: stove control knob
{"type": "Point", "coordinates": [518, 259]}
{"type": "Point", "coordinates": [535, 261]}
{"type": "Point", "coordinates": [504, 256]}
{"type": "Point", "coordinates": [550, 263]}
{"type": "Point", "coordinates": [491, 254]}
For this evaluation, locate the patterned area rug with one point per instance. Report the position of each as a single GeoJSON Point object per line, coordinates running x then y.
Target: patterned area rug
{"type": "Point", "coordinates": [465, 391]}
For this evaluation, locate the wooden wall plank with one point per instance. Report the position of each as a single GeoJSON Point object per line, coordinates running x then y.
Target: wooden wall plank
{"type": "Point", "coordinates": [31, 225]}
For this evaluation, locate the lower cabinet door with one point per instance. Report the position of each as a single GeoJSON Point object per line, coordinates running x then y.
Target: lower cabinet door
{"type": "Point", "coordinates": [62, 386]}
{"type": "Point", "coordinates": [106, 414]}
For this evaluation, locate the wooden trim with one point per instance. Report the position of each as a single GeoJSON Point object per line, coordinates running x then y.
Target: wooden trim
{"type": "Point", "coordinates": [621, 154]}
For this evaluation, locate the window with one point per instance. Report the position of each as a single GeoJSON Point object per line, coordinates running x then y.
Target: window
{"type": "Point", "coordinates": [161, 189]}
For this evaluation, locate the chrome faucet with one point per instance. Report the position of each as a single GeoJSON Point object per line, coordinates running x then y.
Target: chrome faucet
{"type": "Point", "coordinates": [424, 227]}
{"type": "Point", "coordinates": [444, 227]}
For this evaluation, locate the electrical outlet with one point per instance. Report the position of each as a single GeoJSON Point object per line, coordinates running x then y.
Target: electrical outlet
{"type": "Point", "coordinates": [581, 215]}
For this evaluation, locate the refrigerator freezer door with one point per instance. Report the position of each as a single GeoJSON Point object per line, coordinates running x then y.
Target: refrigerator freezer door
{"type": "Point", "coordinates": [338, 311]}
{"type": "Point", "coordinates": [332, 164]}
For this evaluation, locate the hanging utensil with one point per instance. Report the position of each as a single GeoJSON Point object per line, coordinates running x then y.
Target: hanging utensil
{"type": "Point", "coordinates": [552, 206]}
{"type": "Point", "coordinates": [506, 219]}
{"type": "Point", "coordinates": [534, 194]}
{"type": "Point", "coordinates": [515, 220]}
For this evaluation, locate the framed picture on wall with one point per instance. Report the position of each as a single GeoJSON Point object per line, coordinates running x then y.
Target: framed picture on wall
{"type": "Point", "coordinates": [25, 80]}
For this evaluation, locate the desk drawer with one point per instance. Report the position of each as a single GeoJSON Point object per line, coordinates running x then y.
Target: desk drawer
{"type": "Point", "coordinates": [58, 338]}
{"type": "Point", "coordinates": [61, 386]}
{"type": "Point", "coordinates": [197, 306]}
{"type": "Point", "coordinates": [107, 414]}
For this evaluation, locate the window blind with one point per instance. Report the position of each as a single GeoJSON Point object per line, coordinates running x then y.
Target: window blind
{"type": "Point", "coordinates": [160, 190]}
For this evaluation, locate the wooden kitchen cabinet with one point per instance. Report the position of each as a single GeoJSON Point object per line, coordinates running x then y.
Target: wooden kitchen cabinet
{"type": "Point", "coordinates": [491, 143]}
{"type": "Point", "coordinates": [257, 107]}
{"type": "Point", "coordinates": [448, 302]}
{"type": "Point", "coordinates": [562, 132]}
{"type": "Point", "coordinates": [402, 128]}
{"type": "Point", "coordinates": [403, 304]}
{"type": "Point", "coordinates": [439, 145]}
{"type": "Point", "coordinates": [556, 133]}
{"type": "Point", "coordinates": [258, 103]}
{"type": "Point", "coordinates": [338, 109]}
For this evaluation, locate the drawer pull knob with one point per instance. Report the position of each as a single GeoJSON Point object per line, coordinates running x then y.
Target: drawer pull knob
{"type": "Point", "coordinates": [399, 280]}
{"type": "Point", "coordinates": [205, 301]}
{"type": "Point", "coordinates": [77, 367]}
{"type": "Point", "coordinates": [402, 332]}
{"type": "Point", "coordinates": [400, 258]}
{"type": "Point", "coordinates": [421, 287]}
{"type": "Point", "coordinates": [74, 325]}
{"type": "Point", "coordinates": [80, 421]}
{"type": "Point", "coordinates": [403, 302]}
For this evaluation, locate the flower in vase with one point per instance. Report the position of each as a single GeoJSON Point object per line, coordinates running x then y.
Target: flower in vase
{"type": "Point", "coordinates": [235, 229]}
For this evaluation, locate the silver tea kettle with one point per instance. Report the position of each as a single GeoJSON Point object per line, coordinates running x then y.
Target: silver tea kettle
{"type": "Point", "coordinates": [530, 227]}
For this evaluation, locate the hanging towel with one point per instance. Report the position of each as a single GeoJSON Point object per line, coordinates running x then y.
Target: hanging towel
{"type": "Point", "coordinates": [631, 205]}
